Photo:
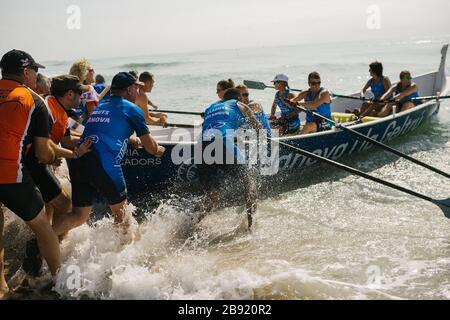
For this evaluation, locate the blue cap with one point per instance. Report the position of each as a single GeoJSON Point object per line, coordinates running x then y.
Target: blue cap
{"type": "Point", "coordinates": [123, 80]}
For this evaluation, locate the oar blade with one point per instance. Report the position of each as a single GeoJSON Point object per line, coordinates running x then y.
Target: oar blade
{"type": "Point", "coordinates": [444, 204]}
{"type": "Point", "coordinates": [255, 85]}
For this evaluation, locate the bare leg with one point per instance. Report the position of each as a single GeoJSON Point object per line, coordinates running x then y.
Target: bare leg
{"type": "Point", "coordinates": [251, 196]}
{"type": "Point", "coordinates": [47, 241]}
{"type": "Point", "coordinates": [60, 206]}
{"type": "Point", "coordinates": [3, 285]}
{"type": "Point", "coordinates": [387, 110]}
{"type": "Point", "coordinates": [210, 202]}
{"type": "Point", "coordinates": [76, 218]}
{"type": "Point", "coordinates": [121, 220]}
{"type": "Point", "coordinates": [309, 127]}
{"type": "Point", "coordinates": [407, 105]}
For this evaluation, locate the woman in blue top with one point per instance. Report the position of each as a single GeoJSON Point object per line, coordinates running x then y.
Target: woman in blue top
{"type": "Point", "coordinates": [379, 85]}
{"type": "Point", "coordinates": [256, 108]}
{"type": "Point", "coordinates": [289, 122]}
{"type": "Point", "coordinates": [316, 99]}
{"type": "Point", "coordinates": [403, 92]}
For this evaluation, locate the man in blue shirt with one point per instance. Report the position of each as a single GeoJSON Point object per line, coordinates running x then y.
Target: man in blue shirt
{"type": "Point", "coordinates": [109, 128]}
{"type": "Point", "coordinates": [222, 121]}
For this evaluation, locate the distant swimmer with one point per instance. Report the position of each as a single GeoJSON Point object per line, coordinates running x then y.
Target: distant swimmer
{"type": "Point", "coordinates": [222, 121]}
{"type": "Point", "coordinates": [110, 127]}
{"type": "Point", "coordinates": [403, 92]}
{"type": "Point", "coordinates": [289, 122]}
{"type": "Point", "coordinates": [24, 122]}
{"type": "Point", "coordinates": [316, 99]}
{"type": "Point", "coordinates": [142, 100]}
{"type": "Point", "coordinates": [379, 85]}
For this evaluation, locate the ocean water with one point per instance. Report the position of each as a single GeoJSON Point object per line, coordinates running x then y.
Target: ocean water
{"type": "Point", "coordinates": [321, 234]}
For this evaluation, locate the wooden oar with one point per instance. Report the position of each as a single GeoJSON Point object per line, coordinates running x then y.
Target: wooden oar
{"type": "Point", "coordinates": [180, 112]}
{"type": "Point", "coordinates": [444, 204]}
{"type": "Point", "coordinates": [382, 145]}
{"type": "Point", "coordinates": [261, 86]}
{"type": "Point", "coordinates": [349, 97]}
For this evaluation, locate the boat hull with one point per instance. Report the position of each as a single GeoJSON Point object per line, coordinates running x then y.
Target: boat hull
{"type": "Point", "coordinates": [145, 173]}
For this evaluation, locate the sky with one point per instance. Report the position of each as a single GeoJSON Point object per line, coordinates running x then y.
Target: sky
{"type": "Point", "coordinates": [53, 30]}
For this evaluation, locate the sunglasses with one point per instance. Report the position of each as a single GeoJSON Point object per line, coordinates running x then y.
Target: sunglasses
{"type": "Point", "coordinates": [313, 83]}
{"type": "Point", "coordinates": [246, 94]}
{"type": "Point", "coordinates": [406, 78]}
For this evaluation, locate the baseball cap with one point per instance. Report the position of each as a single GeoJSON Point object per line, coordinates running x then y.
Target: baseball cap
{"type": "Point", "coordinates": [16, 60]}
{"type": "Point", "coordinates": [280, 77]}
{"type": "Point", "coordinates": [123, 80]}
{"type": "Point", "coordinates": [66, 82]}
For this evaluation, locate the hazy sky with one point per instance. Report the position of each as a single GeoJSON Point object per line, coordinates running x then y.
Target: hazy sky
{"type": "Point", "coordinates": [137, 27]}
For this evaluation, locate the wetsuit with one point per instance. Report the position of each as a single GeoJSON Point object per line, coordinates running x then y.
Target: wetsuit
{"type": "Point", "coordinates": [23, 116]}
{"type": "Point", "coordinates": [109, 127]}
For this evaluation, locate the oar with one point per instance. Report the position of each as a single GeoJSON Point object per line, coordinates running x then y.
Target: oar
{"type": "Point", "coordinates": [382, 145]}
{"type": "Point", "coordinates": [261, 86]}
{"type": "Point", "coordinates": [349, 97]}
{"type": "Point", "coordinates": [444, 204]}
{"type": "Point", "coordinates": [180, 112]}
{"type": "Point", "coordinates": [182, 125]}
{"type": "Point", "coordinates": [389, 100]}
{"type": "Point", "coordinates": [431, 98]}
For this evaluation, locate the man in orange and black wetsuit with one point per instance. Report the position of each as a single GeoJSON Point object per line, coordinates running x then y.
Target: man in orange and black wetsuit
{"type": "Point", "coordinates": [23, 122]}
{"type": "Point", "coordinates": [66, 91]}
{"type": "Point", "coordinates": [24, 128]}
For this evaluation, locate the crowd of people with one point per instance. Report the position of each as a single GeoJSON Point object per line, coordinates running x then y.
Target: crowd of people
{"type": "Point", "coordinates": [36, 117]}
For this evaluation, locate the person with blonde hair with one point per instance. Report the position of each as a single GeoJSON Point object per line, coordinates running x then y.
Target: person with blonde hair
{"type": "Point", "coordinates": [82, 68]}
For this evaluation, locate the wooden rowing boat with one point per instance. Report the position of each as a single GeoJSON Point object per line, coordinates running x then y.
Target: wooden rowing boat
{"type": "Point", "coordinates": [145, 173]}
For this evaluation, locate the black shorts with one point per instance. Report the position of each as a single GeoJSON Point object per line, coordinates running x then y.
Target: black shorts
{"type": "Point", "coordinates": [24, 199]}
{"type": "Point", "coordinates": [88, 178]}
{"type": "Point", "coordinates": [211, 176]}
{"type": "Point", "coordinates": [44, 179]}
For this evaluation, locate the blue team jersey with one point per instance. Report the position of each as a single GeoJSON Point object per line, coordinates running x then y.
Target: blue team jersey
{"type": "Point", "coordinates": [324, 109]}
{"type": "Point", "coordinates": [99, 87]}
{"type": "Point", "coordinates": [109, 127]}
{"type": "Point", "coordinates": [416, 94]}
{"type": "Point", "coordinates": [225, 117]}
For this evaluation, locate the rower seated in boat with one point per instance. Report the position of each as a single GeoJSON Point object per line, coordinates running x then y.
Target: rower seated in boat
{"type": "Point", "coordinates": [404, 93]}
{"type": "Point", "coordinates": [256, 108]}
{"type": "Point", "coordinates": [379, 85]}
{"type": "Point", "coordinates": [289, 122]}
{"type": "Point", "coordinates": [318, 100]}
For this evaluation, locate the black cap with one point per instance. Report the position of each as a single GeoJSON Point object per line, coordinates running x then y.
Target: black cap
{"type": "Point", "coordinates": [123, 80]}
{"type": "Point", "coordinates": [62, 84]}
{"type": "Point", "coordinates": [15, 60]}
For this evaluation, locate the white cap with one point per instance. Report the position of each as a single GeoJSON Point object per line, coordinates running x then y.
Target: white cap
{"type": "Point", "coordinates": [281, 77]}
